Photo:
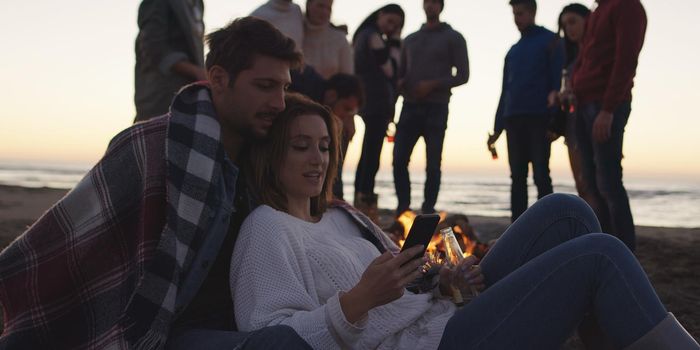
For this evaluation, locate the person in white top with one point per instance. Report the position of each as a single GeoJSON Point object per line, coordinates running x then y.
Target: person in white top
{"type": "Point", "coordinates": [325, 47]}
{"type": "Point", "coordinates": [302, 263]}
{"type": "Point", "coordinates": [286, 16]}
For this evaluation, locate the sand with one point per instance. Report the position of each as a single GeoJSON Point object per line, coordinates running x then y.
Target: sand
{"type": "Point", "coordinates": [670, 256]}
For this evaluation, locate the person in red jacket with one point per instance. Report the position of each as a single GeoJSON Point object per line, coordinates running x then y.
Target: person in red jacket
{"type": "Point", "coordinates": [602, 83]}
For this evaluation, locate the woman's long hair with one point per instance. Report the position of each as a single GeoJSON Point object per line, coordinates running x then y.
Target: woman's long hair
{"type": "Point", "coordinates": [266, 157]}
{"type": "Point", "coordinates": [371, 20]}
{"type": "Point", "coordinates": [570, 46]}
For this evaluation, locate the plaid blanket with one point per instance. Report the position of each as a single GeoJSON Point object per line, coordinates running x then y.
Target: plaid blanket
{"type": "Point", "coordinates": [102, 268]}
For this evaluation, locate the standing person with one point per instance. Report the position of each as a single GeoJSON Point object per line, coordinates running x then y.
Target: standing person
{"type": "Point", "coordinates": [377, 44]}
{"type": "Point", "coordinates": [337, 279]}
{"type": "Point", "coordinates": [572, 25]}
{"type": "Point", "coordinates": [286, 16]}
{"type": "Point", "coordinates": [531, 81]}
{"type": "Point", "coordinates": [428, 57]}
{"type": "Point", "coordinates": [602, 83]}
{"type": "Point", "coordinates": [169, 53]}
{"type": "Point", "coordinates": [343, 95]}
{"type": "Point", "coordinates": [325, 47]}
{"type": "Point", "coordinates": [137, 255]}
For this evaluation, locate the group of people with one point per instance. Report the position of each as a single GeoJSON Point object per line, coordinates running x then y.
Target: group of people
{"type": "Point", "coordinates": [595, 60]}
{"type": "Point", "coordinates": [375, 69]}
{"type": "Point", "coordinates": [214, 226]}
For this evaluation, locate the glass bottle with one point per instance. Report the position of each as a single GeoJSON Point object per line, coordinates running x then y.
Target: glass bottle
{"type": "Point", "coordinates": [453, 255]}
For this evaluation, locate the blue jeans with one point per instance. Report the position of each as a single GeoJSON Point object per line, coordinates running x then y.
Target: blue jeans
{"type": "Point", "coordinates": [368, 165]}
{"type": "Point", "coordinates": [275, 337]}
{"type": "Point", "coordinates": [428, 120]}
{"type": "Point", "coordinates": [546, 274]}
{"type": "Point", "coordinates": [527, 143]}
{"type": "Point", "coordinates": [601, 166]}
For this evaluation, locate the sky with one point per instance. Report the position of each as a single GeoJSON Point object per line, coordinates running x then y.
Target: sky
{"type": "Point", "coordinates": [67, 81]}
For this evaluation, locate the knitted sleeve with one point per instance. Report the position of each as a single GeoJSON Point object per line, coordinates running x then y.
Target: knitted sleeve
{"type": "Point", "coordinates": [269, 286]}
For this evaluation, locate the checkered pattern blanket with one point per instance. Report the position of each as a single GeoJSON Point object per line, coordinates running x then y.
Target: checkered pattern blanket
{"type": "Point", "coordinates": [101, 269]}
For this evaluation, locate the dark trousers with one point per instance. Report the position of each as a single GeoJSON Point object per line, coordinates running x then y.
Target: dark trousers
{"type": "Point", "coordinates": [527, 143]}
{"type": "Point", "coordinates": [338, 184]}
{"type": "Point", "coordinates": [602, 169]}
{"type": "Point", "coordinates": [367, 167]}
{"type": "Point", "coordinates": [427, 120]}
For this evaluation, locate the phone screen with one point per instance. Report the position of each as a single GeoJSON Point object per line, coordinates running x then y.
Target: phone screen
{"type": "Point", "coordinates": [421, 232]}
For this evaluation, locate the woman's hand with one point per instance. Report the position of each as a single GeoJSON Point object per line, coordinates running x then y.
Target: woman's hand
{"type": "Point", "coordinates": [383, 281]}
{"type": "Point", "coordinates": [464, 276]}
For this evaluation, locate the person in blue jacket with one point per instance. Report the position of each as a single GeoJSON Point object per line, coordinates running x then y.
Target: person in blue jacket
{"type": "Point", "coordinates": [531, 81]}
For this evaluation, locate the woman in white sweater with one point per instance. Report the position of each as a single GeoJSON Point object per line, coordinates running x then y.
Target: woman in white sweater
{"type": "Point", "coordinates": [338, 281]}
{"type": "Point", "coordinates": [325, 47]}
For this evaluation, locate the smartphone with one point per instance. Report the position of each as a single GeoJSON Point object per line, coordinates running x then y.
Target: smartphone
{"type": "Point", "coordinates": [421, 232]}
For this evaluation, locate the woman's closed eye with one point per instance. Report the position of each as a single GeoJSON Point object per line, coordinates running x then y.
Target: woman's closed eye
{"type": "Point", "coordinates": [300, 147]}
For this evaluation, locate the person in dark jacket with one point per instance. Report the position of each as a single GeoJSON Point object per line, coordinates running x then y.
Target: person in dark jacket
{"type": "Point", "coordinates": [169, 53]}
{"type": "Point", "coordinates": [425, 77]}
{"type": "Point", "coordinates": [377, 44]}
{"type": "Point", "coordinates": [531, 81]}
{"type": "Point", "coordinates": [602, 83]}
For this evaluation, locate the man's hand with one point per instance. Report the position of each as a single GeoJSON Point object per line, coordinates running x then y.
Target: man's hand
{"type": "Point", "coordinates": [492, 139]}
{"type": "Point", "coordinates": [424, 88]}
{"type": "Point", "coordinates": [189, 70]}
{"type": "Point", "coordinates": [566, 98]}
{"type": "Point", "coordinates": [601, 126]}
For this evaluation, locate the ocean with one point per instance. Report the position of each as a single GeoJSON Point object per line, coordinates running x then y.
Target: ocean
{"type": "Point", "coordinates": [654, 202]}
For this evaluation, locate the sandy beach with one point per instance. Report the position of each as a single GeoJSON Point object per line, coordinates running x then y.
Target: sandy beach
{"type": "Point", "coordinates": [668, 255]}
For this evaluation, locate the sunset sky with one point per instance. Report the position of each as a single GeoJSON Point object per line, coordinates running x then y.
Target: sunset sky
{"type": "Point", "coordinates": [67, 81]}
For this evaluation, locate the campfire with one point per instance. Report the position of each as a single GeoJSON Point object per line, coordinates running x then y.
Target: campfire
{"type": "Point", "coordinates": [435, 251]}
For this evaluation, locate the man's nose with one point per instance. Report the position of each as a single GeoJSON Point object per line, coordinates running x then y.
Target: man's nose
{"type": "Point", "coordinates": [277, 101]}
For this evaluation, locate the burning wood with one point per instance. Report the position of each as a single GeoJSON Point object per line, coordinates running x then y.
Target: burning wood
{"type": "Point", "coordinates": [465, 234]}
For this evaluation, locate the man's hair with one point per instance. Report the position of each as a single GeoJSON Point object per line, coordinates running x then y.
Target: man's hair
{"type": "Point", "coordinates": [346, 85]}
{"type": "Point", "coordinates": [267, 157]}
{"type": "Point", "coordinates": [531, 4]}
{"type": "Point", "coordinates": [442, 4]}
{"type": "Point", "coordinates": [233, 47]}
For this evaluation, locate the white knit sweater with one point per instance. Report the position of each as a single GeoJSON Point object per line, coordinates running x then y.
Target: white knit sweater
{"type": "Point", "coordinates": [286, 17]}
{"type": "Point", "coordinates": [288, 271]}
{"type": "Point", "coordinates": [327, 50]}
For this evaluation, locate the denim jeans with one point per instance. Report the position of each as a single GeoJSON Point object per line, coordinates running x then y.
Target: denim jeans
{"type": "Point", "coordinates": [275, 337]}
{"type": "Point", "coordinates": [527, 143]}
{"type": "Point", "coordinates": [368, 165]}
{"type": "Point", "coordinates": [602, 168]}
{"type": "Point", "coordinates": [546, 274]}
{"type": "Point", "coordinates": [428, 120]}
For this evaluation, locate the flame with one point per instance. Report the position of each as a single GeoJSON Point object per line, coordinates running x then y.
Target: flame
{"type": "Point", "coordinates": [435, 248]}
{"type": "Point", "coordinates": [468, 244]}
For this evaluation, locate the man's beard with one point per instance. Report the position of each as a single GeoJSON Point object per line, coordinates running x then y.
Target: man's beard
{"type": "Point", "coordinates": [251, 134]}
